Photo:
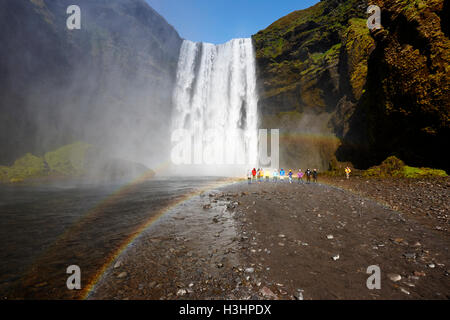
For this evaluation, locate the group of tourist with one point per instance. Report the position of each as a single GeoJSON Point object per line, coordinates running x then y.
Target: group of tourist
{"type": "Point", "coordinates": [259, 175]}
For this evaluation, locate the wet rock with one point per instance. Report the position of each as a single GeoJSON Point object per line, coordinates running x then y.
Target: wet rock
{"type": "Point", "coordinates": [267, 293]}
{"type": "Point", "coordinates": [298, 294]}
{"type": "Point", "coordinates": [404, 291]}
{"type": "Point", "coordinates": [394, 277]}
{"type": "Point", "coordinates": [409, 255]}
{"type": "Point", "coordinates": [250, 270]}
{"type": "Point", "coordinates": [181, 292]}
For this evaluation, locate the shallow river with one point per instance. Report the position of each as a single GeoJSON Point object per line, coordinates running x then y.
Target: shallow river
{"type": "Point", "coordinates": [45, 229]}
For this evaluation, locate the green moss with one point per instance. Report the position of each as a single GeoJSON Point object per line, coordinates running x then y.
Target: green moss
{"type": "Point", "coordinates": [412, 172]}
{"type": "Point", "coordinates": [394, 167]}
{"type": "Point", "coordinates": [68, 160]}
{"type": "Point", "coordinates": [29, 166]}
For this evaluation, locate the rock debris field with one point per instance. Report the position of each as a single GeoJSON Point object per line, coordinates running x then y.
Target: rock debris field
{"type": "Point", "coordinates": [292, 241]}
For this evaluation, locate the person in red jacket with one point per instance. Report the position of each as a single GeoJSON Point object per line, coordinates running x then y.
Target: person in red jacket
{"type": "Point", "coordinates": [254, 173]}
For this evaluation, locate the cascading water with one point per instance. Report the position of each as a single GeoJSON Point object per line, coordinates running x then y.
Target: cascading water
{"type": "Point", "coordinates": [215, 105]}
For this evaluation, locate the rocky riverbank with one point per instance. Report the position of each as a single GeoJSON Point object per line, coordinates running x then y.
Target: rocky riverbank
{"type": "Point", "coordinates": [293, 241]}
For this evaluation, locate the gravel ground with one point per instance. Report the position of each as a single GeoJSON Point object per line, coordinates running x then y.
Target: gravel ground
{"type": "Point", "coordinates": [293, 241]}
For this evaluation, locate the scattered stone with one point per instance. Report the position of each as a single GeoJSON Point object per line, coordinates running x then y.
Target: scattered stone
{"type": "Point", "coordinates": [431, 266]}
{"type": "Point", "coordinates": [267, 293]}
{"type": "Point", "coordinates": [281, 244]}
{"type": "Point", "coordinates": [282, 236]}
{"type": "Point", "coordinates": [336, 257]}
{"type": "Point", "coordinates": [409, 255]}
{"type": "Point", "coordinates": [118, 264]}
{"type": "Point", "coordinates": [404, 291]}
{"type": "Point", "coordinates": [330, 237]}
{"type": "Point", "coordinates": [181, 292]}
{"type": "Point", "coordinates": [220, 265]}
{"type": "Point", "coordinates": [207, 206]}
{"type": "Point", "coordinates": [122, 275]}
{"type": "Point", "coordinates": [419, 274]}
{"type": "Point", "coordinates": [250, 270]}
{"type": "Point", "coordinates": [298, 294]}
{"type": "Point", "coordinates": [394, 277]}
{"type": "Point", "coordinates": [409, 284]}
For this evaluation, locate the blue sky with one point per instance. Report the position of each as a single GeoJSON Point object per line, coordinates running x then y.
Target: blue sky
{"type": "Point", "coordinates": [218, 21]}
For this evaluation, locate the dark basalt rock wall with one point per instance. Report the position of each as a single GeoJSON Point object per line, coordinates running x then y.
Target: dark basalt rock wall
{"type": "Point", "coordinates": [59, 86]}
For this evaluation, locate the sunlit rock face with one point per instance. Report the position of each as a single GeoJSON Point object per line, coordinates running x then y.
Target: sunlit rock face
{"type": "Point", "coordinates": [215, 104]}
{"type": "Point", "coordinates": [335, 88]}
{"type": "Point", "coordinates": [109, 84]}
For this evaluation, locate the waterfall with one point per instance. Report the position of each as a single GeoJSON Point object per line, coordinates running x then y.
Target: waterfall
{"type": "Point", "coordinates": [215, 105]}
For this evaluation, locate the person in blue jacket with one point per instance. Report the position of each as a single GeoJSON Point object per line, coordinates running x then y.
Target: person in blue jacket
{"type": "Point", "coordinates": [282, 174]}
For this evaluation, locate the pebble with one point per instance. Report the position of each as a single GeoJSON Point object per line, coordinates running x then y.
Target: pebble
{"type": "Point", "coordinates": [298, 294]}
{"type": "Point", "coordinates": [122, 275]}
{"type": "Point", "coordinates": [250, 270]}
{"type": "Point", "coordinates": [330, 237]}
{"type": "Point", "coordinates": [281, 244]}
{"type": "Point", "coordinates": [432, 266]}
{"type": "Point", "coordinates": [409, 255]}
{"type": "Point", "coordinates": [394, 277]}
{"type": "Point", "coordinates": [404, 291]}
{"type": "Point", "coordinates": [336, 257]}
{"type": "Point", "coordinates": [118, 264]}
{"type": "Point", "coordinates": [181, 292]}
{"type": "Point", "coordinates": [267, 293]}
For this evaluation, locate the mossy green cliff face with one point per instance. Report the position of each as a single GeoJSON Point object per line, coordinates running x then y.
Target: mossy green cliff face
{"type": "Point", "coordinates": [378, 93]}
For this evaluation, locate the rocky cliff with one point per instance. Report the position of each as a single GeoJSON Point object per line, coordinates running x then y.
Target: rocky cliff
{"type": "Point", "coordinates": [109, 83]}
{"type": "Point", "coordinates": [335, 88]}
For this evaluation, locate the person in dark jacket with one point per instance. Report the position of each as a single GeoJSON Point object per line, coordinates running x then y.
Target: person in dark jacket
{"type": "Point", "coordinates": [308, 176]}
{"type": "Point", "coordinates": [315, 174]}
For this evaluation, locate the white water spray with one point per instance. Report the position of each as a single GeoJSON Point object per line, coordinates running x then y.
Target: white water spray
{"type": "Point", "coordinates": [215, 103]}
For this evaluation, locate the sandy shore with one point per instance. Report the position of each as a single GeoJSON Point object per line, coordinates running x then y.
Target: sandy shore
{"type": "Point", "coordinates": [293, 241]}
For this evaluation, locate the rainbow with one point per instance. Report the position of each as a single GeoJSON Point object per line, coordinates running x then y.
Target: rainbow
{"type": "Point", "coordinates": [154, 219]}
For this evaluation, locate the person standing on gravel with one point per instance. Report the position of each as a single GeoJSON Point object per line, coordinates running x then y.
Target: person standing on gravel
{"type": "Point", "coordinates": [249, 176]}
{"type": "Point", "coordinates": [347, 172]}
{"type": "Point", "coordinates": [290, 176]}
{"type": "Point", "coordinates": [308, 175]}
{"type": "Point", "coordinates": [315, 174]}
{"type": "Point", "coordinates": [282, 174]}
{"type": "Point", "coordinates": [300, 176]}
{"type": "Point", "coordinates": [254, 174]}
{"type": "Point", "coordinates": [275, 175]}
